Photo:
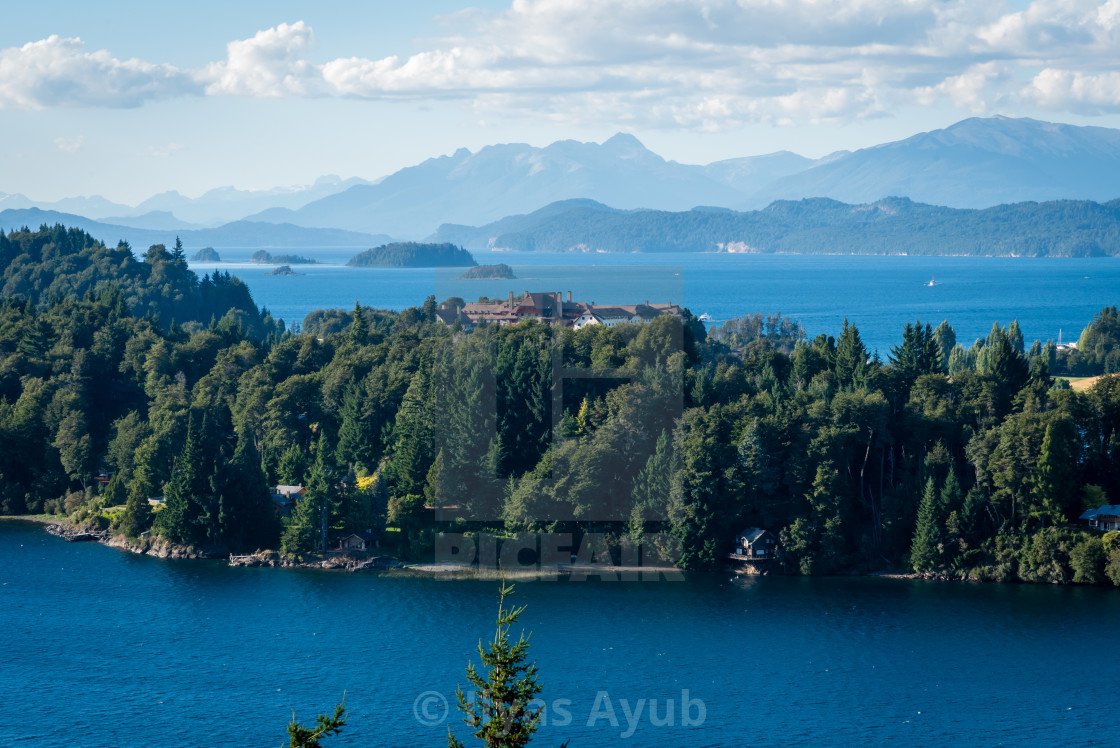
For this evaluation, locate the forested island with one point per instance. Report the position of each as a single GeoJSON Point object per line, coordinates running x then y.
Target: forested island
{"type": "Point", "coordinates": [125, 379]}
{"type": "Point", "coordinates": [267, 258]}
{"type": "Point", "coordinates": [413, 255]}
{"type": "Point", "coordinates": [206, 254]}
{"type": "Point", "coordinates": [501, 271]}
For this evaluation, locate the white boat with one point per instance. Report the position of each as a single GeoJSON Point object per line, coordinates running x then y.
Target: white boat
{"type": "Point", "coordinates": [705, 317]}
{"type": "Point", "coordinates": [932, 282]}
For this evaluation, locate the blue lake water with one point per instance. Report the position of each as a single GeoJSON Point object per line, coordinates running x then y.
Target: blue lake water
{"type": "Point", "coordinates": [103, 648]}
{"type": "Point", "coordinates": [879, 294]}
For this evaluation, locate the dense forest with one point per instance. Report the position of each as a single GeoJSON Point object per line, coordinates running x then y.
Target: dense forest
{"type": "Point", "coordinates": [1061, 228]}
{"type": "Point", "coordinates": [413, 255]}
{"type": "Point", "coordinates": [963, 461]}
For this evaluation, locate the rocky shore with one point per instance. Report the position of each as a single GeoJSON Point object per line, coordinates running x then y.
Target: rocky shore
{"type": "Point", "coordinates": [161, 548]}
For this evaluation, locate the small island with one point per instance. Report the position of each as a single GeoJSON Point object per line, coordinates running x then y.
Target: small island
{"type": "Point", "coordinates": [413, 255]}
{"type": "Point", "coordinates": [263, 257]}
{"type": "Point", "coordinates": [206, 254]}
{"type": "Point", "coordinates": [284, 270]}
{"type": "Point", "coordinates": [501, 271]}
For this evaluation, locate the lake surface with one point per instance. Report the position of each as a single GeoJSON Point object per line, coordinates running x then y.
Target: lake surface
{"type": "Point", "coordinates": [103, 648]}
{"type": "Point", "coordinates": [880, 295]}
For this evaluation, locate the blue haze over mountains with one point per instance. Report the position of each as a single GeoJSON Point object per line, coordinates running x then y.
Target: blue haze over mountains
{"type": "Point", "coordinates": [976, 163]}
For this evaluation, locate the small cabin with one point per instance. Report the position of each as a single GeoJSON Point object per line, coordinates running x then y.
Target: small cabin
{"type": "Point", "coordinates": [352, 543]}
{"type": "Point", "coordinates": [365, 541]}
{"type": "Point", "coordinates": [754, 544]}
{"type": "Point", "coordinates": [1105, 518]}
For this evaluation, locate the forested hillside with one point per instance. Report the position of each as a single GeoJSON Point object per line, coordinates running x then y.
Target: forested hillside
{"type": "Point", "coordinates": [1062, 228]}
{"type": "Point", "coordinates": [968, 461]}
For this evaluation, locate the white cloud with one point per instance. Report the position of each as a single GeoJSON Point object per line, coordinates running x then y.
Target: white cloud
{"type": "Point", "coordinates": [704, 64]}
{"type": "Point", "coordinates": [69, 145]}
{"type": "Point", "coordinates": [59, 72]}
{"type": "Point", "coordinates": [267, 65]}
{"type": "Point", "coordinates": [1066, 90]}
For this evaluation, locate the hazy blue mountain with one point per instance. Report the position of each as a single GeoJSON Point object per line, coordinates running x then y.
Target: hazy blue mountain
{"type": "Point", "coordinates": [975, 163]}
{"type": "Point", "coordinates": [172, 210]}
{"type": "Point", "coordinates": [235, 234]}
{"type": "Point", "coordinates": [752, 173]}
{"type": "Point", "coordinates": [157, 220]}
{"type": "Point", "coordinates": [94, 206]}
{"type": "Point", "coordinates": [1062, 228]}
{"type": "Point", "coordinates": [500, 180]}
{"type": "Point", "coordinates": [225, 204]}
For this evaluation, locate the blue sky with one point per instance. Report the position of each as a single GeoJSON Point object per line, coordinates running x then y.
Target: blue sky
{"type": "Point", "coordinates": [128, 99]}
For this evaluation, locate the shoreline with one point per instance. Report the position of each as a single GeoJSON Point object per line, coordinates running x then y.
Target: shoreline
{"type": "Point", "coordinates": [384, 564]}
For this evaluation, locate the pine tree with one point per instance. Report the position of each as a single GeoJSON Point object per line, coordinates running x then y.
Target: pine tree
{"type": "Point", "coordinates": [502, 713]}
{"type": "Point", "coordinates": [137, 514]}
{"type": "Point", "coordinates": [247, 517]}
{"type": "Point", "coordinates": [1052, 477]}
{"type": "Point", "coordinates": [650, 495]}
{"type": "Point", "coordinates": [312, 737]}
{"type": "Point", "coordinates": [293, 466]}
{"type": "Point", "coordinates": [353, 443]}
{"type": "Point", "coordinates": [359, 327]}
{"type": "Point", "coordinates": [181, 515]}
{"type": "Point", "coordinates": [924, 550]}
{"type": "Point", "coordinates": [850, 365]}
{"type": "Point", "coordinates": [321, 488]}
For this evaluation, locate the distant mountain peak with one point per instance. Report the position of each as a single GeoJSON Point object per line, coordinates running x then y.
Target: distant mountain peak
{"type": "Point", "coordinates": [623, 140]}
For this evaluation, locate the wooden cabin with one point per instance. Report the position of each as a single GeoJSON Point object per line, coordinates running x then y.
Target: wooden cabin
{"type": "Point", "coordinates": [754, 544]}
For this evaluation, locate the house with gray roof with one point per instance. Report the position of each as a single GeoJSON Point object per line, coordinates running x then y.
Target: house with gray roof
{"type": "Point", "coordinates": [754, 544]}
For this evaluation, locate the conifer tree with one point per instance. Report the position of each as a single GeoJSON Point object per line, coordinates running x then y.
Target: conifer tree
{"type": "Point", "coordinates": [180, 518]}
{"type": "Point", "coordinates": [137, 514]}
{"type": "Point", "coordinates": [248, 518]}
{"type": "Point", "coordinates": [502, 713]}
{"type": "Point", "coordinates": [851, 358]}
{"type": "Point", "coordinates": [293, 466]}
{"type": "Point", "coordinates": [359, 327]}
{"type": "Point", "coordinates": [924, 551]}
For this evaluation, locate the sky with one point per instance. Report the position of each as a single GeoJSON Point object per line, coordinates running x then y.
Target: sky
{"type": "Point", "coordinates": [129, 99]}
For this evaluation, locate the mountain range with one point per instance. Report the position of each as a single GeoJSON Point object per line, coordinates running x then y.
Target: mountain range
{"type": "Point", "coordinates": [169, 210]}
{"type": "Point", "coordinates": [233, 234]}
{"type": "Point", "coordinates": [976, 163]}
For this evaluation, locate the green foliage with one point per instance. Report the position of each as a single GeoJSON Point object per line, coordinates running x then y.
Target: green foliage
{"type": "Point", "coordinates": [925, 551]}
{"type": "Point", "coordinates": [312, 737]}
{"type": "Point", "coordinates": [649, 429]}
{"type": "Point", "coordinates": [502, 713]}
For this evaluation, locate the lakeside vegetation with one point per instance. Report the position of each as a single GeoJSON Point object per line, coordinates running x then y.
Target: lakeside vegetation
{"type": "Point", "coordinates": [968, 462]}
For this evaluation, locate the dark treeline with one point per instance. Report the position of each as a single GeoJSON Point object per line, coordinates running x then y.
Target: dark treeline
{"type": "Point", "coordinates": [1059, 228]}
{"type": "Point", "coordinates": [966, 462]}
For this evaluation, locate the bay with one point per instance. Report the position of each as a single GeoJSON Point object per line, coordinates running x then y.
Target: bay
{"type": "Point", "coordinates": [880, 294]}
{"type": "Point", "coordinates": [104, 648]}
